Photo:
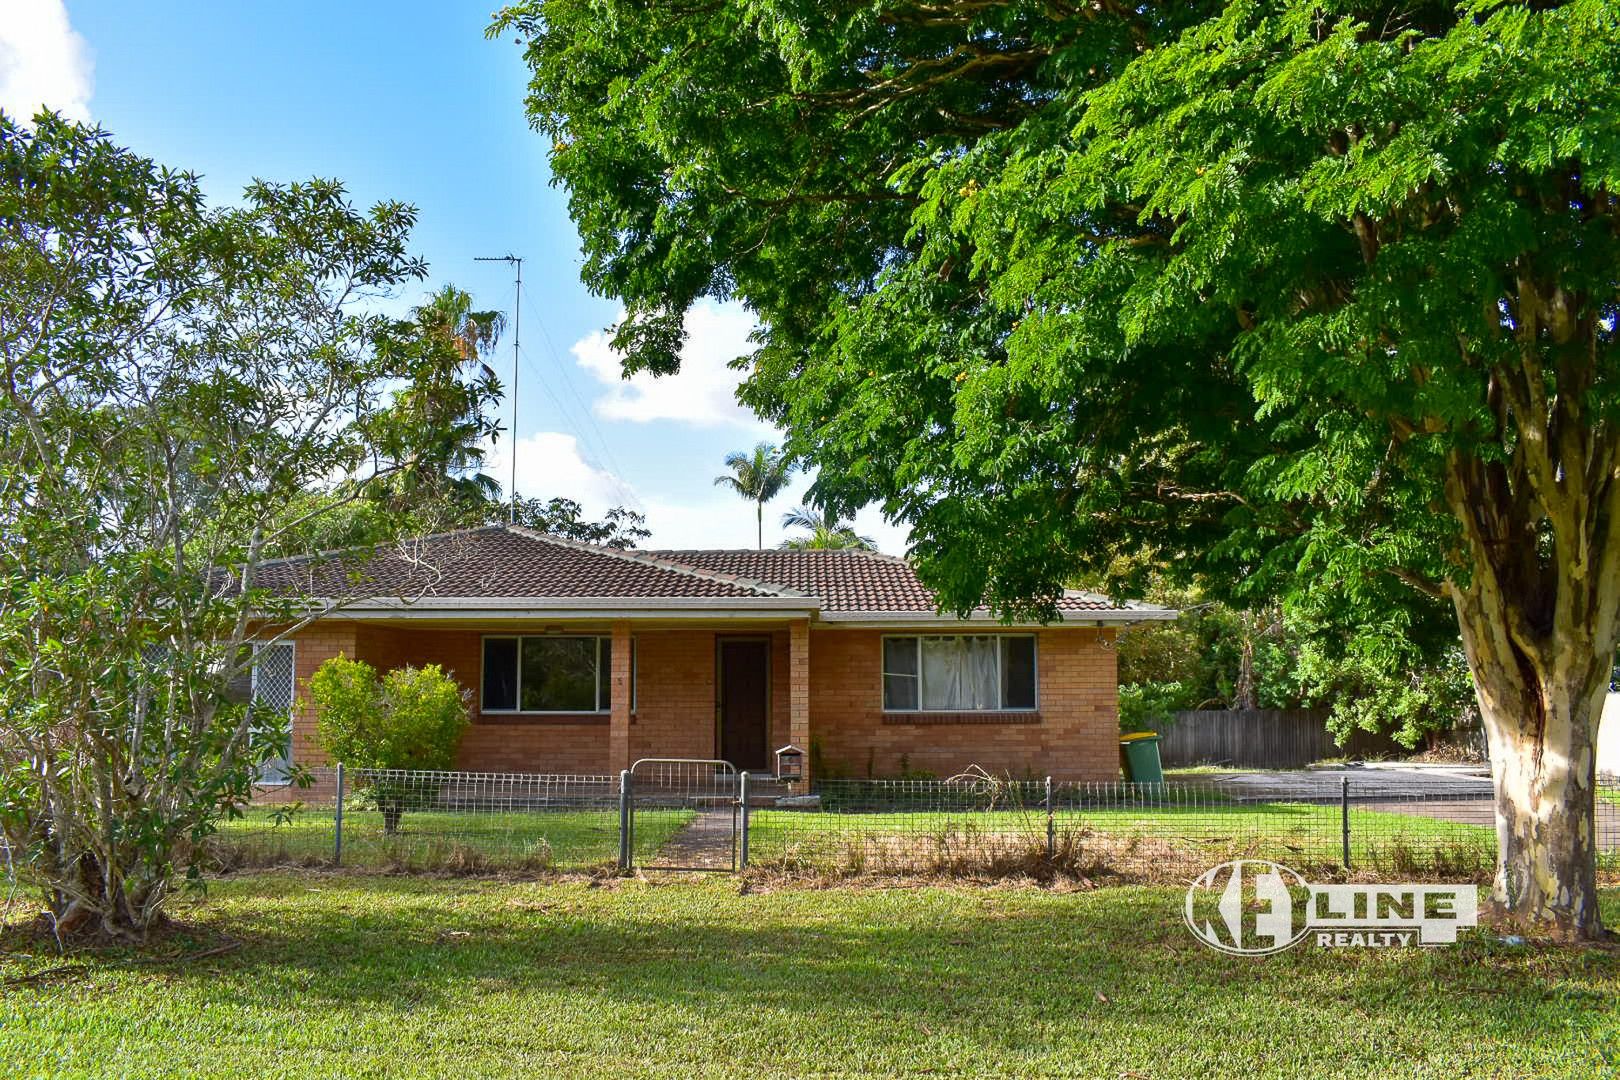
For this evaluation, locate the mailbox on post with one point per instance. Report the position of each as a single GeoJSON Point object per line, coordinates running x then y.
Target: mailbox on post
{"type": "Point", "coordinates": [790, 763]}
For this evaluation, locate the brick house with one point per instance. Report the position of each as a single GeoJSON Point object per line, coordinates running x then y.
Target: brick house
{"type": "Point", "coordinates": [583, 659]}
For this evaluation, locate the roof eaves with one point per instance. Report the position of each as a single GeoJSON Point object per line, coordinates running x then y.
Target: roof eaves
{"type": "Point", "coordinates": [579, 603]}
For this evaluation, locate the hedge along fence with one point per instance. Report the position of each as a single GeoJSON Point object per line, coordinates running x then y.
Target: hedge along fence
{"type": "Point", "coordinates": [972, 826]}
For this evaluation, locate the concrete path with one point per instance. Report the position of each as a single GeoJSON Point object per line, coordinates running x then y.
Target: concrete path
{"type": "Point", "coordinates": [704, 844]}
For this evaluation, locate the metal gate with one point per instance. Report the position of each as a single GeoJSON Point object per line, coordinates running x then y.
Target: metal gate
{"type": "Point", "coordinates": [679, 814]}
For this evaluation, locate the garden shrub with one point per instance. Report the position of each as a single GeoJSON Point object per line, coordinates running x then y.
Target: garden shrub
{"type": "Point", "coordinates": [411, 718]}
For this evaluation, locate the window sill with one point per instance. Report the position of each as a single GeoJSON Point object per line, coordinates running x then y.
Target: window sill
{"type": "Point", "coordinates": [571, 719]}
{"type": "Point", "coordinates": [1029, 716]}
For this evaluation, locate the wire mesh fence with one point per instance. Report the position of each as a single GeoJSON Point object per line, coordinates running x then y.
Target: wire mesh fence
{"type": "Point", "coordinates": [692, 815]}
{"type": "Point", "coordinates": [984, 825]}
{"type": "Point", "coordinates": [438, 820]}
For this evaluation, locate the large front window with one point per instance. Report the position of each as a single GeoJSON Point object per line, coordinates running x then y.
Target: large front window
{"type": "Point", "coordinates": [959, 673]}
{"type": "Point", "coordinates": [552, 674]}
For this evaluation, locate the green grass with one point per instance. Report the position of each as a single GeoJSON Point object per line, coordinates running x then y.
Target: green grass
{"type": "Point", "coordinates": [1129, 839]}
{"type": "Point", "coordinates": [429, 838]}
{"type": "Point", "coordinates": [357, 976]}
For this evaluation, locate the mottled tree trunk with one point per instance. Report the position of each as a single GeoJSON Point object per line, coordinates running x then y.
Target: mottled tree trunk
{"type": "Point", "coordinates": [1538, 624]}
{"type": "Point", "coordinates": [1541, 733]}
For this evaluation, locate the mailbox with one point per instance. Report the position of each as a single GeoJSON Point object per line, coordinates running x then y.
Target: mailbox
{"type": "Point", "coordinates": [790, 763]}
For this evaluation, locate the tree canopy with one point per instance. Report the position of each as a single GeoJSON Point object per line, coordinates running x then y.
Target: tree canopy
{"type": "Point", "coordinates": [181, 387]}
{"type": "Point", "coordinates": [1308, 297]}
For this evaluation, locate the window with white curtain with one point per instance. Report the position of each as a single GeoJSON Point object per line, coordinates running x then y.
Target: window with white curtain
{"type": "Point", "coordinates": [958, 672]}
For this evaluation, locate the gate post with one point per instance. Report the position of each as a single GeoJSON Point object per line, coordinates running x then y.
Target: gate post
{"type": "Point", "coordinates": [337, 821]}
{"type": "Point", "coordinates": [1344, 818]}
{"type": "Point", "coordinates": [625, 783]}
{"type": "Point", "coordinates": [742, 801]}
{"type": "Point", "coordinates": [1051, 830]}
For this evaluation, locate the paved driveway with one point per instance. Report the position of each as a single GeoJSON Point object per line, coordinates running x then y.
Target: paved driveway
{"type": "Point", "coordinates": [1460, 793]}
{"type": "Point", "coordinates": [1367, 782]}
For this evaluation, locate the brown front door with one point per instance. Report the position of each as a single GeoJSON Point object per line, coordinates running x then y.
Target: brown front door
{"type": "Point", "coordinates": [745, 702]}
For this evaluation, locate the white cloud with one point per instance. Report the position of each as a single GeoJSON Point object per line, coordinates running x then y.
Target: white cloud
{"type": "Point", "coordinates": [550, 464]}
{"type": "Point", "coordinates": [703, 392]}
{"type": "Point", "coordinates": [43, 62]}
{"type": "Point", "coordinates": [725, 520]}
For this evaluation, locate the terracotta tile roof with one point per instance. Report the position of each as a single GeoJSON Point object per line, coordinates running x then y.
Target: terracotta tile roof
{"type": "Point", "coordinates": [503, 563]}
{"type": "Point", "coordinates": [497, 563]}
{"type": "Point", "coordinates": [845, 580]}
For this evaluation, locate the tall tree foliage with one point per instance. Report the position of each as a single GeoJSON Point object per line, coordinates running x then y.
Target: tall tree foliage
{"type": "Point", "coordinates": [452, 389]}
{"type": "Point", "coordinates": [1301, 295]}
{"type": "Point", "coordinates": [172, 378]}
{"type": "Point", "coordinates": [619, 528]}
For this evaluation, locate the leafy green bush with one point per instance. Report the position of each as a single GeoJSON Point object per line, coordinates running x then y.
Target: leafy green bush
{"type": "Point", "coordinates": [410, 718]}
{"type": "Point", "coordinates": [1147, 706]}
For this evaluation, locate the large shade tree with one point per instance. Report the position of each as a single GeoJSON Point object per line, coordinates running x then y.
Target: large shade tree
{"type": "Point", "coordinates": [1299, 295]}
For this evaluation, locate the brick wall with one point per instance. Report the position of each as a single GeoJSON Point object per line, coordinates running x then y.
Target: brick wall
{"type": "Point", "coordinates": [674, 714]}
{"type": "Point", "coordinates": [675, 696]}
{"type": "Point", "coordinates": [1075, 738]}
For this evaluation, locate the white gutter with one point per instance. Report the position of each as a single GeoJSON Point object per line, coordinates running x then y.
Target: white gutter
{"type": "Point", "coordinates": [1110, 617]}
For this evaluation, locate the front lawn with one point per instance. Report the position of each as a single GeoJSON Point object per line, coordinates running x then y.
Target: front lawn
{"type": "Point", "coordinates": [1139, 840]}
{"type": "Point", "coordinates": [343, 975]}
{"type": "Point", "coordinates": [429, 839]}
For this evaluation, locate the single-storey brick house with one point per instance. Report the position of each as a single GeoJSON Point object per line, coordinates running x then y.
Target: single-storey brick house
{"type": "Point", "coordinates": [583, 659]}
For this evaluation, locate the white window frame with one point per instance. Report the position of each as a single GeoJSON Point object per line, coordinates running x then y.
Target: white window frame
{"type": "Point", "coordinates": [517, 678]}
{"type": "Point", "coordinates": [1001, 659]}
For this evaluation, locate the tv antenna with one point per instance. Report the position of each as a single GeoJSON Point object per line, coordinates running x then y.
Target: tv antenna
{"type": "Point", "coordinates": [516, 262]}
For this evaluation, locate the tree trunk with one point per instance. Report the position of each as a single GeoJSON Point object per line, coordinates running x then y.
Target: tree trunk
{"type": "Point", "coordinates": [759, 524]}
{"type": "Point", "coordinates": [1541, 727]}
{"type": "Point", "coordinates": [1243, 693]}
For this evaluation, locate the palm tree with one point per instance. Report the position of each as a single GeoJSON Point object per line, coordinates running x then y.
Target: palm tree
{"type": "Point", "coordinates": [450, 389]}
{"type": "Point", "coordinates": [758, 477]}
{"type": "Point", "coordinates": [822, 532]}
{"type": "Point", "coordinates": [450, 312]}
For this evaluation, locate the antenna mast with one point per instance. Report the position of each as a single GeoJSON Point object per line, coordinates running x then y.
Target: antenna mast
{"type": "Point", "coordinates": [516, 261]}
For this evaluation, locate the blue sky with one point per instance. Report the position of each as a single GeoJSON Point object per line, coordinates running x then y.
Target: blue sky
{"type": "Point", "coordinates": [409, 101]}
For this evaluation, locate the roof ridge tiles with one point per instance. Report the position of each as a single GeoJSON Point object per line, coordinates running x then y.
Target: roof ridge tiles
{"type": "Point", "coordinates": [647, 558]}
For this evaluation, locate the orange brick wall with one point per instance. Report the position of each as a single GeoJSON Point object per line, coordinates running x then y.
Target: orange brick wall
{"type": "Point", "coordinates": [674, 715]}
{"type": "Point", "coordinates": [675, 697]}
{"type": "Point", "coordinates": [1077, 737]}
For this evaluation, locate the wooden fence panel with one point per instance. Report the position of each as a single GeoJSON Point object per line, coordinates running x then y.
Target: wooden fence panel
{"type": "Point", "coordinates": [1260, 739]}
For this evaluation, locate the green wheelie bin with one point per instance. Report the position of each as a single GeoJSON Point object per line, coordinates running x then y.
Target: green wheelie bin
{"type": "Point", "coordinates": [1139, 757]}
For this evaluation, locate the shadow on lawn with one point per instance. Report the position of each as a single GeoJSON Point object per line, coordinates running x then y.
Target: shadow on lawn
{"type": "Point", "coordinates": [1020, 970]}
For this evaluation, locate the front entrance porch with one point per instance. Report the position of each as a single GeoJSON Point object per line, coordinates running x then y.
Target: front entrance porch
{"type": "Point", "coordinates": [591, 697]}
